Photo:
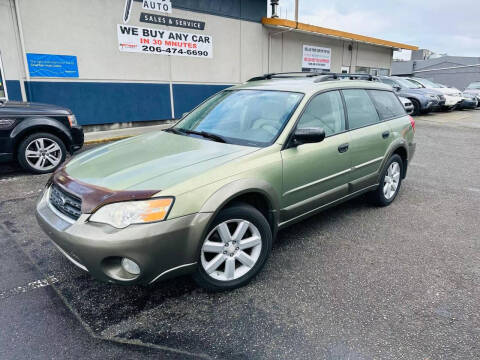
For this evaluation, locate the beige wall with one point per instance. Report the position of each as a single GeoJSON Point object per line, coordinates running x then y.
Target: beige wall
{"type": "Point", "coordinates": [88, 30]}
{"type": "Point", "coordinates": [286, 51]}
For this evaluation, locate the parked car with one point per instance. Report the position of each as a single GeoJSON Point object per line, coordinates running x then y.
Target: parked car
{"type": "Point", "coordinates": [469, 101]}
{"type": "Point", "coordinates": [474, 88]}
{"type": "Point", "coordinates": [423, 100]}
{"type": "Point", "coordinates": [37, 135]}
{"type": "Point", "coordinates": [208, 195]}
{"type": "Point", "coordinates": [453, 96]}
{"type": "Point", "coordinates": [407, 104]}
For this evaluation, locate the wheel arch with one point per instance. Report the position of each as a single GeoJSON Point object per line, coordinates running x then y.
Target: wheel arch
{"type": "Point", "coordinates": [398, 147]}
{"type": "Point", "coordinates": [257, 193]}
{"type": "Point", "coordinates": [35, 125]}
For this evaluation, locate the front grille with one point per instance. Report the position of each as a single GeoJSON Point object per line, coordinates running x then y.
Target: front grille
{"type": "Point", "coordinates": [66, 203]}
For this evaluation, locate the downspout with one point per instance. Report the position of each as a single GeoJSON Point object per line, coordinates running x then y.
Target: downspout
{"type": "Point", "coordinates": [25, 96]}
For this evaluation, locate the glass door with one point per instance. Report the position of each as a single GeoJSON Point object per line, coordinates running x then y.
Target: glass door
{"type": "Point", "coordinates": [3, 85]}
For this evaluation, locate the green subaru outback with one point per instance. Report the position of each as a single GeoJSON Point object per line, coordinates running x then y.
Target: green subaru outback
{"type": "Point", "coordinates": [208, 195]}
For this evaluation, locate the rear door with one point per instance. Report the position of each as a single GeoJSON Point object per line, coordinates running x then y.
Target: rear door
{"type": "Point", "coordinates": [369, 138]}
{"type": "Point", "coordinates": [316, 174]}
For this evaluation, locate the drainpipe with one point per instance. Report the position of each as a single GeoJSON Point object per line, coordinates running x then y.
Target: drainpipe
{"type": "Point", "coordinates": [25, 96]}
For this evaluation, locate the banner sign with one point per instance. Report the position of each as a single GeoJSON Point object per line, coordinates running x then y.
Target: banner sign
{"type": "Point", "coordinates": [164, 6]}
{"type": "Point", "coordinates": [316, 58]}
{"type": "Point", "coordinates": [171, 21]}
{"type": "Point", "coordinates": [163, 42]}
{"type": "Point", "coordinates": [47, 65]}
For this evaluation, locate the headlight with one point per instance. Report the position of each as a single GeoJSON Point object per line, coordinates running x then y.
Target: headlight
{"type": "Point", "coordinates": [123, 214]}
{"type": "Point", "coordinates": [72, 120]}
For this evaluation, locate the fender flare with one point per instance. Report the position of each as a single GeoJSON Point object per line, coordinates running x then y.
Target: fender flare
{"type": "Point", "coordinates": [33, 122]}
{"type": "Point", "coordinates": [394, 146]}
{"type": "Point", "coordinates": [230, 191]}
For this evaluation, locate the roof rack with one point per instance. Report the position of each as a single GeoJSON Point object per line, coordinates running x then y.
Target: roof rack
{"type": "Point", "coordinates": [320, 76]}
{"type": "Point", "coordinates": [340, 76]}
{"type": "Point", "coordinates": [289, 74]}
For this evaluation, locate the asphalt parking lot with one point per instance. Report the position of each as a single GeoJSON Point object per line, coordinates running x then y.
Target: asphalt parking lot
{"type": "Point", "coordinates": [355, 282]}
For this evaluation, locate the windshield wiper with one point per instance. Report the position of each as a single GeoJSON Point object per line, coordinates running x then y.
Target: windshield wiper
{"type": "Point", "coordinates": [206, 134]}
{"type": "Point", "coordinates": [175, 131]}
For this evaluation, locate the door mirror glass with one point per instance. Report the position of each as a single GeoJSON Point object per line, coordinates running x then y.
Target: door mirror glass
{"type": "Point", "coordinates": [308, 135]}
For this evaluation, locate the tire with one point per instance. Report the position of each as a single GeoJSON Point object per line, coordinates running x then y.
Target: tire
{"type": "Point", "coordinates": [217, 275]}
{"type": "Point", "coordinates": [39, 159]}
{"type": "Point", "coordinates": [382, 197]}
{"type": "Point", "coordinates": [416, 107]}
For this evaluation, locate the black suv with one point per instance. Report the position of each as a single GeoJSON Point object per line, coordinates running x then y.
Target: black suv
{"type": "Point", "coordinates": [37, 135]}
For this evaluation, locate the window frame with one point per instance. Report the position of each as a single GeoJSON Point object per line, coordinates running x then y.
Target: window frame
{"type": "Point", "coordinates": [378, 112]}
{"type": "Point", "coordinates": [321, 93]}
{"type": "Point", "coordinates": [232, 89]}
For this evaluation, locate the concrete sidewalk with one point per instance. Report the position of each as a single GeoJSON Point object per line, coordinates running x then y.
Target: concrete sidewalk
{"type": "Point", "coordinates": [95, 137]}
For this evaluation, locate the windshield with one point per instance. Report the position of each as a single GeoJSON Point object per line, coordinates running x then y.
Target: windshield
{"type": "Point", "coordinates": [475, 85]}
{"type": "Point", "coordinates": [404, 83]}
{"type": "Point", "coordinates": [427, 83]}
{"type": "Point", "coordinates": [243, 117]}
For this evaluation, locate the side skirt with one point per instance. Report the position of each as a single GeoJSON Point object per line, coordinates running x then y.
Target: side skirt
{"type": "Point", "coordinates": [325, 206]}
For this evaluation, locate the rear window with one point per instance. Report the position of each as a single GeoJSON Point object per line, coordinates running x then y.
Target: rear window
{"type": "Point", "coordinates": [360, 109]}
{"type": "Point", "coordinates": [387, 104]}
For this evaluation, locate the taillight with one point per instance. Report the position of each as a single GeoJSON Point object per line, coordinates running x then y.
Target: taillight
{"type": "Point", "coordinates": [412, 122]}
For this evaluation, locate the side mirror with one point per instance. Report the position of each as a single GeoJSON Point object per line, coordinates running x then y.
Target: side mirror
{"type": "Point", "coordinates": [308, 135]}
{"type": "Point", "coordinates": [184, 114]}
{"type": "Point", "coordinates": [396, 88]}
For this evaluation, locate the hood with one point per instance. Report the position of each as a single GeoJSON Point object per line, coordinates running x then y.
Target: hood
{"type": "Point", "coordinates": [151, 162]}
{"type": "Point", "coordinates": [472, 91]}
{"type": "Point", "coordinates": [450, 91]}
{"type": "Point", "coordinates": [420, 91]}
{"type": "Point", "coordinates": [29, 108]}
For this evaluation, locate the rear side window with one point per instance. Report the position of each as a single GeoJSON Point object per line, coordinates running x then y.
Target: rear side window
{"type": "Point", "coordinates": [360, 109]}
{"type": "Point", "coordinates": [324, 111]}
{"type": "Point", "coordinates": [387, 104]}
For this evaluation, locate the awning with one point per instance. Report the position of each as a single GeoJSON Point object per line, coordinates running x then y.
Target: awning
{"type": "Point", "coordinates": [318, 30]}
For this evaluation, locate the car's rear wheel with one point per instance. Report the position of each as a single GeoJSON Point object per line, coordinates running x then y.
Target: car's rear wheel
{"type": "Point", "coordinates": [235, 248]}
{"type": "Point", "coordinates": [41, 153]}
{"type": "Point", "coordinates": [390, 182]}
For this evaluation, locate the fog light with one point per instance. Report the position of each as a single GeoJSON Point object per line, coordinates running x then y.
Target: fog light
{"type": "Point", "coordinates": [130, 266]}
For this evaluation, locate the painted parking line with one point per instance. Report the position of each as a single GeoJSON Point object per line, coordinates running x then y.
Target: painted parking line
{"type": "Point", "coordinates": [49, 280]}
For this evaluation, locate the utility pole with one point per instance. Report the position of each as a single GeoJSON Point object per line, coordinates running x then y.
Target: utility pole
{"type": "Point", "coordinates": [296, 11]}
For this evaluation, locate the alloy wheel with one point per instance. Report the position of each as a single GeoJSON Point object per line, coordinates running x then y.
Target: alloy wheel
{"type": "Point", "coordinates": [43, 154]}
{"type": "Point", "coordinates": [231, 250]}
{"type": "Point", "coordinates": [391, 180]}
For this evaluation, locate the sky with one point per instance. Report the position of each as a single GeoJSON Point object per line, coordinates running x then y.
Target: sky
{"type": "Point", "coordinates": [442, 26]}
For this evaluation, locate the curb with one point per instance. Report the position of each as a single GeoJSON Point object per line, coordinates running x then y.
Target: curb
{"type": "Point", "coordinates": [104, 140]}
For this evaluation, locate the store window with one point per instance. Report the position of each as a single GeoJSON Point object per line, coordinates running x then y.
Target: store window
{"type": "Point", "coordinates": [372, 71]}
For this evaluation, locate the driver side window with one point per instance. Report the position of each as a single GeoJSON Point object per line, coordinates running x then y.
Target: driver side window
{"type": "Point", "coordinates": [324, 111]}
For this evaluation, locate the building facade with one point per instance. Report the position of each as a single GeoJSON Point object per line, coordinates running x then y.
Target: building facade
{"type": "Point", "coordinates": [455, 71]}
{"type": "Point", "coordinates": [122, 61]}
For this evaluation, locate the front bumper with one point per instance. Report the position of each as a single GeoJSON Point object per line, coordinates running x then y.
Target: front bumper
{"type": "Point", "coordinates": [452, 100]}
{"type": "Point", "coordinates": [162, 250]}
{"type": "Point", "coordinates": [78, 138]}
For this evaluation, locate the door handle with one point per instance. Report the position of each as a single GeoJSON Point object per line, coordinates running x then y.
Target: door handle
{"type": "Point", "coordinates": [342, 148]}
{"type": "Point", "coordinates": [386, 134]}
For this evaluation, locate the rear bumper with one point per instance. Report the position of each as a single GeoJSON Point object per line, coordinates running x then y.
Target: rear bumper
{"type": "Point", "coordinates": [162, 250]}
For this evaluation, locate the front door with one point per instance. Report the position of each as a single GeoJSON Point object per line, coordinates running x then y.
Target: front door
{"type": "Point", "coordinates": [317, 174]}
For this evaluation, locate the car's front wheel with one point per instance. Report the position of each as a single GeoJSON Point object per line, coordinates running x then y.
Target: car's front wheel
{"type": "Point", "coordinates": [41, 153]}
{"type": "Point", "coordinates": [235, 248]}
{"type": "Point", "coordinates": [390, 182]}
